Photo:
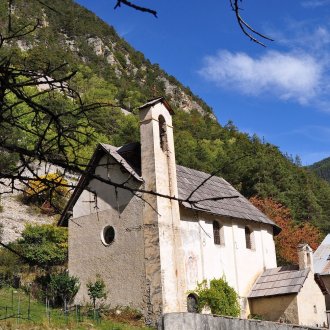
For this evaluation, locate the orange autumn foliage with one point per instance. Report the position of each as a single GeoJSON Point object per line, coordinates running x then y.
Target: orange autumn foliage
{"type": "Point", "coordinates": [292, 234]}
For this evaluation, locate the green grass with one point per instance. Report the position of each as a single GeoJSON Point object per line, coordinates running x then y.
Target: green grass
{"type": "Point", "coordinates": [16, 302]}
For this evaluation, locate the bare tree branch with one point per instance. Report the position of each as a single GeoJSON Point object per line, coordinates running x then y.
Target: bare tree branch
{"type": "Point", "coordinates": [136, 7]}
{"type": "Point", "coordinates": [245, 27]}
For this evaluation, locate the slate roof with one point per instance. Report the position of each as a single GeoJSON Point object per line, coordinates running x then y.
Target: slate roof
{"type": "Point", "coordinates": [279, 281]}
{"type": "Point", "coordinates": [321, 257]}
{"type": "Point", "coordinates": [123, 156]}
{"type": "Point", "coordinates": [207, 197]}
{"type": "Point", "coordinates": [210, 189]}
{"type": "Point", "coordinates": [155, 101]}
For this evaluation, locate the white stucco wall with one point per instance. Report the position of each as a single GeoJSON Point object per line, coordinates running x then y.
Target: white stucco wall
{"type": "Point", "coordinates": [120, 264]}
{"type": "Point", "coordinates": [106, 198]}
{"type": "Point", "coordinates": [239, 265]}
{"type": "Point", "coordinates": [311, 304]}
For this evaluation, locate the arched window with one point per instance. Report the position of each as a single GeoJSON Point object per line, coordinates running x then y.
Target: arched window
{"type": "Point", "coordinates": [162, 132]}
{"type": "Point", "coordinates": [248, 238]}
{"type": "Point", "coordinates": [192, 303]}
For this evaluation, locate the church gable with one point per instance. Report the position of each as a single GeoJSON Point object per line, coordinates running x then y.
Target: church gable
{"type": "Point", "coordinates": [153, 232]}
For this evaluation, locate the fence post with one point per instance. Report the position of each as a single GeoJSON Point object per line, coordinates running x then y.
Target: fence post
{"type": "Point", "coordinates": [18, 307]}
{"type": "Point", "coordinates": [29, 306]}
{"type": "Point", "coordinates": [78, 313]}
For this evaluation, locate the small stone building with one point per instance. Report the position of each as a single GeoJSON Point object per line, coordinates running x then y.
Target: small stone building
{"type": "Point", "coordinates": [151, 249]}
{"type": "Point", "coordinates": [290, 294]}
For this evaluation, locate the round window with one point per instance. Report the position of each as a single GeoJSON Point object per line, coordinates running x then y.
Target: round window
{"type": "Point", "coordinates": [108, 235]}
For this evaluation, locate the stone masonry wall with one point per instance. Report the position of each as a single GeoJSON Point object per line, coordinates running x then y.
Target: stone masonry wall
{"type": "Point", "coordinates": [193, 321]}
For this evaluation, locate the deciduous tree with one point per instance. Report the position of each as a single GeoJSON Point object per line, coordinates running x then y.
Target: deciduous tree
{"type": "Point", "coordinates": [292, 234]}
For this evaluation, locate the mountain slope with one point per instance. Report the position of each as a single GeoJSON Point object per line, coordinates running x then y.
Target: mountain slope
{"type": "Point", "coordinates": [70, 33]}
{"type": "Point", "coordinates": [322, 168]}
{"type": "Point", "coordinates": [110, 70]}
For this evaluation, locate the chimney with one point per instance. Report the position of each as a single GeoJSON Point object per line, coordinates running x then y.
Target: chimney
{"type": "Point", "coordinates": [305, 257]}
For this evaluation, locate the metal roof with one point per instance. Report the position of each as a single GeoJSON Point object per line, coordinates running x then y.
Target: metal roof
{"type": "Point", "coordinates": [279, 281]}
{"type": "Point", "coordinates": [212, 196]}
{"type": "Point", "coordinates": [321, 256]}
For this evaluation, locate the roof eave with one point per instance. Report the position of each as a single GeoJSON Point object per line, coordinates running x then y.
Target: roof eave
{"type": "Point", "coordinates": [155, 101]}
{"type": "Point", "coordinates": [276, 229]}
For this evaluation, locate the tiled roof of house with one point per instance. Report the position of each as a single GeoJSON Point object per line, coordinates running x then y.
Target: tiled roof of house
{"type": "Point", "coordinates": [210, 193]}
{"type": "Point", "coordinates": [321, 257]}
{"type": "Point", "coordinates": [279, 281]}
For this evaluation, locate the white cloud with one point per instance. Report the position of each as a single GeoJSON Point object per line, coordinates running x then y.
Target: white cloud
{"type": "Point", "coordinates": [291, 76]}
{"type": "Point", "coordinates": [315, 3]}
{"type": "Point", "coordinates": [302, 35]}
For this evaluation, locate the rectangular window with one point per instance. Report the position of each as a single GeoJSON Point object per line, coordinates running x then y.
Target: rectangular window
{"type": "Point", "coordinates": [216, 232]}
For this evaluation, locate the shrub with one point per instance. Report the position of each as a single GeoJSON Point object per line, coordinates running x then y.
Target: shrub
{"type": "Point", "coordinates": [9, 266]}
{"type": "Point", "coordinates": [64, 286]}
{"type": "Point", "coordinates": [220, 297]}
{"type": "Point", "coordinates": [49, 192]}
{"type": "Point", "coordinates": [44, 245]}
{"type": "Point", "coordinates": [96, 290]}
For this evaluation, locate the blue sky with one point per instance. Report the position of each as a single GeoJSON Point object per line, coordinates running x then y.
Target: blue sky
{"type": "Point", "coordinates": [281, 93]}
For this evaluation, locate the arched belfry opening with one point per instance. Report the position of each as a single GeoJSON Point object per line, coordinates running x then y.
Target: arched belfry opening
{"type": "Point", "coordinates": [162, 132]}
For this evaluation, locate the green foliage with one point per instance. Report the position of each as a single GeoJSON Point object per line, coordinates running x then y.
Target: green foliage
{"type": "Point", "coordinates": [44, 245]}
{"type": "Point", "coordinates": [49, 192]}
{"type": "Point", "coordinates": [119, 75]}
{"type": "Point", "coordinates": [10, 264]}
{"type": "Point", "coordinates": [57, 320]}
{"type": "Point", "coordinates": [96, 290]}
{"type": "Point", "coordinates": [220, 297]}
{"type": "Point", "coordinates": [253, 167]}
{"type": "Point", "coordinates": [64, 286]}
{"type": "Point", "coordinates": [322, 168]}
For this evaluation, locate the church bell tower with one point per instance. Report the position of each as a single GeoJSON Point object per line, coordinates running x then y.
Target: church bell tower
{"type": "Point", "coordinates": [164, 263]}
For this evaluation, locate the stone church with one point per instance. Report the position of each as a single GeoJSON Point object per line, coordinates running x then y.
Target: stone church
{"type": "Point", "coordinates": [152, 249]}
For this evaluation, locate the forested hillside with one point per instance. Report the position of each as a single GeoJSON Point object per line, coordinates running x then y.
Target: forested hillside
{"type": "Point", "coordinates": [112, 72]}
{"type": "Point", "coordinates": [322, 168]}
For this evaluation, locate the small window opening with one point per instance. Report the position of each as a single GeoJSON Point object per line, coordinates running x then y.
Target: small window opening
{"type": "Point", "coordinates": [308, 259]}
{"type": "Point", "coordinates": [248, 238]}
{"type": "Point", "coordinates": [108, 235]}
{"type": "Point", "coordinates": [192, 303]}
{"type": "Point", "coordinates": [216, 232]}
{"type": "Point", "coordinates": [162, 132]}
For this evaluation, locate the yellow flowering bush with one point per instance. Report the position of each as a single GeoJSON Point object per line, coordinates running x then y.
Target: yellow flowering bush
{"type": "Point", "coordinates": [49, 191]}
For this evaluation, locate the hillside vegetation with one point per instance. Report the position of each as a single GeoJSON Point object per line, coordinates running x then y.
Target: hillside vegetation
{"type": "Point", "coordinates": [111, 71]}
{"type": "Point", "coordinates": [322, 169]}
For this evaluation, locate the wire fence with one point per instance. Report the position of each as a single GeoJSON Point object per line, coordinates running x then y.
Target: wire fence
{"type": "Point", "coordinates": [19, 305]}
